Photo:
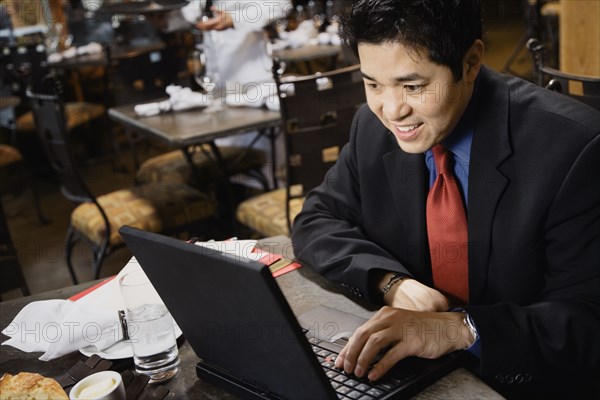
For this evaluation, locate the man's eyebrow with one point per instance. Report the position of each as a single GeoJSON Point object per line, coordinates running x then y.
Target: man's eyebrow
{"type": "Point", "coordinates": [409, 77]}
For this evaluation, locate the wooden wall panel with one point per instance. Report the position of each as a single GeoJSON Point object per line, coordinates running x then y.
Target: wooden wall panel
{"type": "Point", "coordinates": [580, 37]}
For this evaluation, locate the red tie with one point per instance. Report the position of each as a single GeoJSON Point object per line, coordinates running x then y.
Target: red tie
{"type": "Point", "coordinates": [447, 231]}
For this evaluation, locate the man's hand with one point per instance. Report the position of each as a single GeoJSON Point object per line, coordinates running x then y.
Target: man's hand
{"type": "Point", "coordinates": [219, 22]}
{"type": "Point", "coordinates": [403, 333]}
{"type": "Point", "coordinates": [410, 294]}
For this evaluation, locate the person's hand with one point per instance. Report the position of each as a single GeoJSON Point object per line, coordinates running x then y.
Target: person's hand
{"type": "Point", "coordinates": [219, 22]}
{"type": "Point", "coordinates": [411, 294]}
{"type": "Point", "coordinates": [403, 333]}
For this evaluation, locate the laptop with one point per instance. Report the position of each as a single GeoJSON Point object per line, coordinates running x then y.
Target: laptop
{"type": "Point", "coordinates": [239, 324]}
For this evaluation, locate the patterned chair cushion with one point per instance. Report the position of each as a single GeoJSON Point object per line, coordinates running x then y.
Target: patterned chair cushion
{"type": "Point", "coordinates": [174, 167]}
{"type": "Point", "coordinates": [152, 207]}
{"type": "Point", "coordinates": [266, 214]}
{"type": "Point", "coordinates": [9, 155]}
{"type": "Point", "coordinates": [77, 114]}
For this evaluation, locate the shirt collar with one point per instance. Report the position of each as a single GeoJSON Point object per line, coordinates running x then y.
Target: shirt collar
{"type": "Point", "coordinates": [460, 139]}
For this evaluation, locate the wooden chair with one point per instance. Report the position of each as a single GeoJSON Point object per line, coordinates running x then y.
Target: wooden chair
{"type": "Point", "coordinates": [20, 66]}
{"type": "Point", "coordinates": [158, 207]}
{"type": "Point", "coordinates": [583, 88]}
{"type": "Point", "coordinates": [15, 173]}
{"type": "Point", "coordinates": [144, 78]}
{"type": "Point", "coordinates": [317, 112]}
{"type": "Point", "coordinates": [12, 274]}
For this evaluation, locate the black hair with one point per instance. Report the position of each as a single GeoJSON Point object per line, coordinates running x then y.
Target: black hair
{"type": "Point", "coordinates": [445, 28]}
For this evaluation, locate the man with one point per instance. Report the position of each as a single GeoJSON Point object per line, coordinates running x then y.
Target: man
{"type": "Point", "coordinates": [518, 282]}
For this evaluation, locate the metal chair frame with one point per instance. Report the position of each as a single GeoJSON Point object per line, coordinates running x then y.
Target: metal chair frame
{"type": "Point", "coordinates": [12, 273]}
{"type": "Point", "coordinates": [48, 107]}
{"type": "Point", "coordinates": [316, 121]}
{"type": "Point", "coordinates": [583, 88]}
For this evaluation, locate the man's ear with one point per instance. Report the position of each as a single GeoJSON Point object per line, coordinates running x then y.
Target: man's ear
{"type": "Point", "coordinates": [473, 60]}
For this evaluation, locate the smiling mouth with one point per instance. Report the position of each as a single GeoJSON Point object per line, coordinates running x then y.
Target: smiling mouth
{"type": "Point", "coordinates": [407, 132]}
{"type": "Point", "coordinates": [405, 129]}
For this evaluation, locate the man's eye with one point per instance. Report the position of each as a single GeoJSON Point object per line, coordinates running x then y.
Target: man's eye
{"type": "Point", "coordinates": [372, 85]}
{"type": "Point", "coordinates": [413, 88]}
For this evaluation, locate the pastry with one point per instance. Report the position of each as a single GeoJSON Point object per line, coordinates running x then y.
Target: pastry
{"type": "Point", "coordinates": [30, 386]}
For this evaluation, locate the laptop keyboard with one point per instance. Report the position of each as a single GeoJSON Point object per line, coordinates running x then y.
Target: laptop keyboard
{"type": "Point", "coordinates": [349, 386]}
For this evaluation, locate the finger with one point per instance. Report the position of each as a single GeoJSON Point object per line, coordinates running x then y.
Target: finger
{"type": "Point", "coordinates": [210, 24]}
{"type": "Point", "coordinates": [376, 343]}
{"type": "Point", "coordinates": [339, 360]}
{"type": "Point", "coordinates": [357, 341]}
{"type": "Point", "coordinates": [354, 347]}
{"type": "Point", "coordinates": [391, 358]}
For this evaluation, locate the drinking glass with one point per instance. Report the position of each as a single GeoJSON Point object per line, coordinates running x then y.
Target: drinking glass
{"type": "Point", "coordinates": [52, 38]}
{"type": "Point", "coordinates": [206, 74]}
{"type": "Point", "coordinates": [150, 328]}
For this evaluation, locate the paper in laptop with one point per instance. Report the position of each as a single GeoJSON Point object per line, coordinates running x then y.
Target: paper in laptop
{"type": "Point", "coordinates": [247, 249]}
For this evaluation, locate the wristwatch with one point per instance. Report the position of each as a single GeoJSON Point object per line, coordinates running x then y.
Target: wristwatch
{"type": "Point", "coordinates": [468, 322]}
{"type": "Point", "coordinates": [394, 279]}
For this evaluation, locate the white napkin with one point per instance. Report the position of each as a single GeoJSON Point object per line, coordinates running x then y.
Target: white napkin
{"type": "Point", "coordinates": [59, 327]}
{"type": "Point", "coordinates": [180, 98]}
{"type": "Point", "coordinates": [71, 52]}
{"type": "Point", "coordinates": [301, 35]}
{"type": "Point", "coordinates": [90, 48]}
{"type": "Point", "coordinates": [323, 83]}
{"type": "Point", "coordinates": [55, 57]}
{"type": "Point", "coordinates": [326, 38]}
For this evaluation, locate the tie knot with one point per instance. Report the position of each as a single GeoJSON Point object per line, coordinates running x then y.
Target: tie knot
{"type": "Point", "coordinates": [441, 157]}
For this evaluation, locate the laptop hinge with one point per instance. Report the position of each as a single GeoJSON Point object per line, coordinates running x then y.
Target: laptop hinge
{"type": "Point", "coordinates": [236, 386]}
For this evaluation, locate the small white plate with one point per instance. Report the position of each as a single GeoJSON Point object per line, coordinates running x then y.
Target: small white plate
{"type": "Point", "coordinates": [118, 350]}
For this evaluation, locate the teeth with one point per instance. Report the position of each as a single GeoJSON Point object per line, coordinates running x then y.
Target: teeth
{"type": "Point", "coordinates": [407, 128]}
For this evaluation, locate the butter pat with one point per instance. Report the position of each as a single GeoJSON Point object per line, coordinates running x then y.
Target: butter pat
{"type": "Point", "coordinates": [97, 389]}
{"type": "Point", "coordinates": [105, 385]}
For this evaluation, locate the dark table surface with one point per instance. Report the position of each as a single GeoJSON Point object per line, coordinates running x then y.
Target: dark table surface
{"type": "Point", "coordinates": [308, 52]}
{"type": "Point", "coordinates": [302, 288]}
{"type": "Point", "coordinates": [194, 126]}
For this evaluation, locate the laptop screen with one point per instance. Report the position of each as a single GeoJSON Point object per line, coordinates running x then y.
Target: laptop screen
{"type": "Point", "coordinates": [233, 314]}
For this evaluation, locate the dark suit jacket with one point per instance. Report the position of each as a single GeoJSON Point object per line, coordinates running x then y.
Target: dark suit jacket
{"type": "Point", "coordinates": [533, 220]}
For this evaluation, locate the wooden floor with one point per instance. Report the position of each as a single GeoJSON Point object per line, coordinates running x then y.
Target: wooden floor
{"type": "Point", "coordinates": [40, 247]}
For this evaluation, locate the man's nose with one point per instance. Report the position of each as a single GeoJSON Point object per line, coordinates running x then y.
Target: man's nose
{"type": "Point", "coordinates": [395, 108]}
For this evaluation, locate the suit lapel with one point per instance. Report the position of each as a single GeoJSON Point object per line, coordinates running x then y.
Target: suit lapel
{"type": "Point", "coordinates": [406, 174]}
{"type": "Point", "coordinates": [490, 148]}
{"type": "Point", "coordinates": [407, 177]}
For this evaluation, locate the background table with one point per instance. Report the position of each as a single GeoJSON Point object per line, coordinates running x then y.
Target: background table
{"type": "Point", "coordinates": [195, 126]}
{"type": "Point", "coordinates": [302, 288]}
{"type": "Point", "coordinates": [185, 129]}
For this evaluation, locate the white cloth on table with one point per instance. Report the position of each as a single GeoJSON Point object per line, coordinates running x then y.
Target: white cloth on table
{"type": "Point", "coordinates": [71, 52]}
{"type": "Point", "coordinates": [180, 98]}
{"type": "Point", "coordinates": [59, 327]}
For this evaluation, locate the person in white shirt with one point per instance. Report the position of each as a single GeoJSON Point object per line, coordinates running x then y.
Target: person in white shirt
{"type": "Point", "coordinates": [242, 60]}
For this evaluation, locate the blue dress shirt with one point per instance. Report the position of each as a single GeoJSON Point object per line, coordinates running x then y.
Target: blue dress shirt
{"type": "Point", "coordinates": [459, 144]}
